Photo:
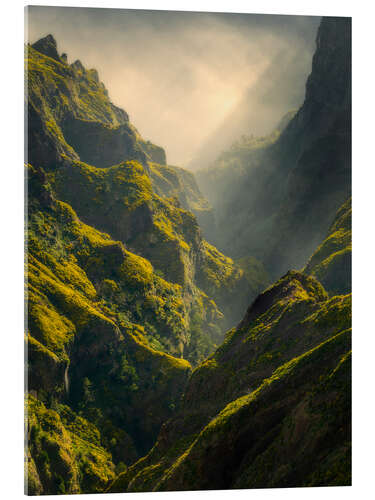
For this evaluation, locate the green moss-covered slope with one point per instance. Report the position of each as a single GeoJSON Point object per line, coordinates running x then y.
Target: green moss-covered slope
{"type": "Point", "coordinates": [122, 292]}
{"type": "Point", "coordinates": [70, 115]}
{"type": "Point", "coordinates": [176, 182]}
{"type": "Point", "coordinates": [331, 263]}
{"type": "Point", "coordinates": [273, 402]}
{"type": "Point", "coordinates": [65, 453]}
{"type": "Point", "coordinates": [89, 343]}
{"type": "Point", "coordinates": [121, 201]}
{"type": "Point", "coordinates": [131, 385]}
{"type": "Point", "coordinates": [291, 431]}
{"type": "Point", "coordinates": [97, 162]}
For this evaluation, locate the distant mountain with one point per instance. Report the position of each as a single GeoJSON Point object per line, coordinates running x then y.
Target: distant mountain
{"type": "Point", "coordinates": [281, 197]}
{"type": "Point", "coordinates": [279, 88]}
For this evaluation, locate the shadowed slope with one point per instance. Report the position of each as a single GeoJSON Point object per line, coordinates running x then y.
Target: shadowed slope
{"type": "Point", "coordinates": [277, 392]}
{"type": "Point", "coordinates": [281, 198]}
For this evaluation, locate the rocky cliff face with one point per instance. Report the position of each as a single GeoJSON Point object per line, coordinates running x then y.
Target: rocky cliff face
{"type": "Point", "coordinates": [177, 182]}
{"type": "Point", "coordinates": [87, 296]}
{"type": "Point", "coordinates": [319, 137]}
{"type": "Point", "coordinates": [273, 402]}
{"type": "Point", "coordinates": [121, 284]}
{"type": "Point", "coordinates": [125, 295]}
{"type": "Point", "coordinates": [70, 116]}
{"type": "Point", "coordinates": [287, 193]}
{"type": "Point", "coordinates": [83, 141]}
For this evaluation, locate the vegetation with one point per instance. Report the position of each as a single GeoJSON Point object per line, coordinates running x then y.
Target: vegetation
{"type": "Point", "coordinates": [112, 277]}
{"type": "Point", "coordinates": [132, 383]}
{"type": "Point", "coordinates": [274, 198]}
{"type": "Point", "coordinates": [280, 383]}
{"type": "Point", "coordinates": [331, 262]}
{"type": "Point", "coordinates": [65, 454]}
{"type": "Point", "coordinates": [170, 181]}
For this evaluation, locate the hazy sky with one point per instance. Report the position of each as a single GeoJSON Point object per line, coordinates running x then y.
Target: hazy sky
{"type": "Point", "coordinates": [179, 75]}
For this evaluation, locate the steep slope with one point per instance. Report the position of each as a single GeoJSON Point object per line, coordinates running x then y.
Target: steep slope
{"type": "Point", "coordinates": [89, 342]}
{"type": "Point", "coordinates": [173, 181]}
{"type": "Point", "coordinates": [70, 115]}
{"type": "Point", "coordinates": [273, 402]}
{"type": "Point", "coordinates": [283, 196]}
{"type": "Point", "coordinates": [331, 264]}
{"type": "Point", "coordinates": [121, 201]}
{"type": "Point", "coordinates": [155, 220]}
{"type": "Point", "coordinates": [121, 285]}
{"type": "Point", "coordinates": [221, 181]}
{"type": "Point", "coordinates": [65, 453]}
{"type": "Point", "coordinates": [123, 291]}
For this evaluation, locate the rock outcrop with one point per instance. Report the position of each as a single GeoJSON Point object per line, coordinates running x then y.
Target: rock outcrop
{"type": "Point", "coordinates": [282, 193]}
{"type": "Point", "coordinates": [123, 291]}
{"type": "Point", "coordinates": [273, 402]}
{"type": "Point", "coordinates": [132, 385]}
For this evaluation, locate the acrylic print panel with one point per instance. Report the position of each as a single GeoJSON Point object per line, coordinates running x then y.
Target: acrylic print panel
{"type": "Point", "coordinates": [189, 251]}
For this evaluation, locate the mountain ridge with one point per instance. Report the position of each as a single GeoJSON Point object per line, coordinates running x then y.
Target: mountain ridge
{"type": "Point", "coordinates": [120, 282]}
{"type": "Point", "coordinates": [132, 384]}
{"type": "Point", "coordinates": [282, 199]}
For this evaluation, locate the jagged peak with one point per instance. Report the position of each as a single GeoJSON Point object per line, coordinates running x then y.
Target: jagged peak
{"type": "Point", "coordinates": [49, 39]}
{"type": "Point", "coordinates": [94, 74]}
{"type": "Point", "coordinates": [292, 286]}
{"type": "Point", "coordinates": [77, 65]}
{"type": "Point", "coordinates": [47, 46]}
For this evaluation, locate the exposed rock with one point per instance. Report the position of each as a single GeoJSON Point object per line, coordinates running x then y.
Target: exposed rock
{"type": "Point", "coordinates": [122, 287]}
{"type": "Point", "coordinates": [48, 47]}
{"type": "Point", "coordinates": [276, 201]}
{"type": "Point", "coordinates": [273, 402]}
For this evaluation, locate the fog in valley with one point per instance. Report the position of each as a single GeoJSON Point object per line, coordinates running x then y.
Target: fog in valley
{"type": "Point", "coordinates": [190, 82]}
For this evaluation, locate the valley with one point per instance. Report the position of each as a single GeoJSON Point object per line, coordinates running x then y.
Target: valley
{"type": "Point", "coordinates": [177, 317]}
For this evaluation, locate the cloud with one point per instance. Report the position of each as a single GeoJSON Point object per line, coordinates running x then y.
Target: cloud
{"type": "Point", "coordinates": [180, 74]}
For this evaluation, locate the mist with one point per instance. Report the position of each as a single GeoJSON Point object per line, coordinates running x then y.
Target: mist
{"type": "Point", "coordinates": [190, 82]}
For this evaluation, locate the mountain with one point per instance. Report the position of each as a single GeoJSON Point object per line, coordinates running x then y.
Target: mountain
{"type": "Point", "coordinates": [132, 384]}
{"type": "Point", "coordinates": [280, 87]}
{"type": "Point", "coordinates": [273, 402]}
{"type": "Point", "coordinates": [87, 345]}
{"type": "Point", "coordinates": [123, 292]}
{"type": "Point", "coordinates": [281, 193]}
{"type": "Point", "coordinates": [222, 181]}
{"type": "Point", "coordinates": [331, 263]}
